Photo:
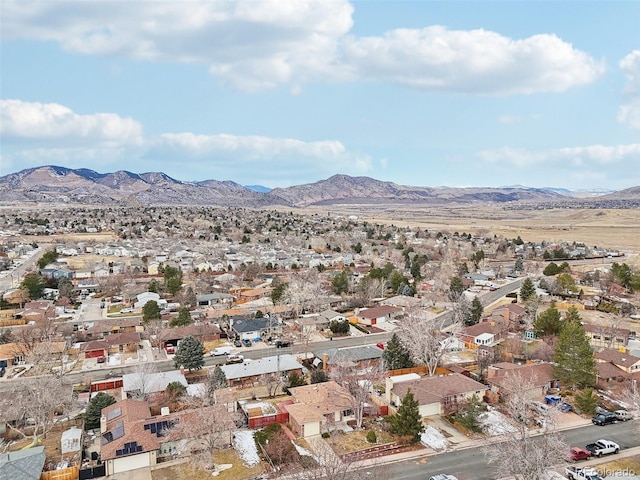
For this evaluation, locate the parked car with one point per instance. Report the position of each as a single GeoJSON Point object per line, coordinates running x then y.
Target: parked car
{"type": "Point", "coordinates": [282, 343]}
{"type": "Point", "coordinates": [623, 415]}
{"type": "Point", "coordinates": [578, 473]}
{"type": "Point", "coordinates": [234, 358]}
{"type": "Point", "coordinates": [101, 359]}
{"type": "Point", "coordinates": [605, 418]}
{"type": "Point", "coordinates": [577, 453]}
{"type": "Point", "coordinates": [237, 343]}
{"type": "Point", "coordinates": [540, 408]}
{"type": "Point", "coordinates": [443, 476]}
{"type": "Point", "coordinates": [602, 447]}
{"type": "Point", "coordinates": [2, 371]}
{"type": "Point", "coordinates": [221, 351]}
{"type": "Point", "coordinates": [170, 349]}
{"type": "Point", "coordinates": [246, 342]}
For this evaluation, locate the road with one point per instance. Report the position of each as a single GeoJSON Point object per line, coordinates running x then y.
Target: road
{"type": "Point", "coordinates": [11, 279]}
{"type": "Point", "coordinates": [471, 464]}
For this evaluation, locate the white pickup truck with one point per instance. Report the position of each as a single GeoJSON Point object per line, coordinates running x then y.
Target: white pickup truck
{"type": "Point", "coordinates": [579, 473]}
{"type": "Point", "coordinates": [603, 447]}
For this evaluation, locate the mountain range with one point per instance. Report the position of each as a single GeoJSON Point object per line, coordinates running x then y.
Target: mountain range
{"type": "Point", "coordinates": [54, 184]}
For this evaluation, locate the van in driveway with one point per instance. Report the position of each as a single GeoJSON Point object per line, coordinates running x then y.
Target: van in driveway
{"type": "Point", "coordinates": [623, 415]}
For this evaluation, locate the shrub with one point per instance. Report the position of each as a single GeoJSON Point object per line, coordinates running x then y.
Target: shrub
{"type": "Point", "coordinates": [326, 434]}
{"type": "Point", "coordinates": [372, 437]}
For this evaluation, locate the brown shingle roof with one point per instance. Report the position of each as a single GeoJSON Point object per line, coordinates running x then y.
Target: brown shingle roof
{"type": "Point", "coordinates": [616, 357]}
{"type": "Point", "coordinates": [429, 390]}
{"type": "Point", "coordinates": [377, 312]}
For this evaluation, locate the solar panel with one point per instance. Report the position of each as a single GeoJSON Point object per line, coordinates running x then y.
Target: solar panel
{"type": "Point", "coordinates": [116, 412]}
{"type": "Point", "coordinates": [118, 430]}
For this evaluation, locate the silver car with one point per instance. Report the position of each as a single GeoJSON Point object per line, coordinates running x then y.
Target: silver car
{"type": "Point", "coordinates": [443, 476]}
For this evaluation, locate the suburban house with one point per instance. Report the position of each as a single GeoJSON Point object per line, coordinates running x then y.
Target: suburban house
{"type": "Point", "coordinates": [106, 327]}
{"type": "Point", "coordinates": [373, 316]}
{"type": "Point", "coordinates": [541, 376]}
{"type": "Point", "coordinates": [362, 357]}
{"type": "Point", "coordinates": [607, 336]}
{"type": "Point", "coordinates": [24, 464]}
{"type": "Point", "coordinates": [483, 333]}
{"type": "Point", "coordinates": [112, 344]}
{"type": "Point", "coordinates": [510, 315]}
{"type": "Point", "coordinates": [248, 295]}
{"type": "Point", "coordinates": [257, 372]}
{"type": "Point", "coordinates": [435, 394]}
{"type": "Point", "coordinates": [131, 438]}
{"type": "Point", "coordinates": [142, 383]}
{"type": "Point", "coordinates": [36, 311]}
{"type": "Point", "coordinates": [202, 333]}
{"type": "Point", "coordinates": [211, 299]}
{"type": "Point", "coordinates": [143, 298]}
{"type": "Point", "coordinates": [252, 328]}
{"type": "Point", "coordinates": [318, 408]}
{"type": "Point", "coordinates": [624, 361]}
{"type": "Point", "coordinates": [318, 321]}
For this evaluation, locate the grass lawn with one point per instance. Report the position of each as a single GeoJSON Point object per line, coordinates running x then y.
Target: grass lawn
{"type": "Point", "coordinates": [354, 441]}
{"type": "Point", "coordinates": [186, 471]}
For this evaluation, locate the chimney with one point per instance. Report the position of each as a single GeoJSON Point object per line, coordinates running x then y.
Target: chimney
{"type": "Point", "coordinates": [325, 359]}
{"type": "Point", "coordinates": [103, 424]}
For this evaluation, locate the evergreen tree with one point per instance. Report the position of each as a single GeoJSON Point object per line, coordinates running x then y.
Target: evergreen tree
{"type": "Point", "coordinates": [33, 284]}
{"type": "Point", "coordinates": [217, 380]}
{"type": "Point", "coordinates": [278, 293]}
{"type": "Point", "coordinates": [154, 286]}
{"type": "Point", "coordinates": [94, 410]}
{"type": "Point", "coordinates": [174, 391]}
{"type": "Point", "coordinates": [575, 365]}
{"type": "Point", "coordinates": [572, 315]}
{"type": "Point", "coordinates": [150, 311]}
{"type": "Point", "coordinates": [294, 379]}
{"type": "Point", "coordinates": [586, 401]}
{"type": "Point", "coordinates": [340, 282]}
{"type": "Point", "coordinates": [190, 354]}
{"type": "Point", "coordinates": [407, 421]}
{"type": "Point", "coordinates": [455, 288]}
{"type": "Point", "coordinates": [182, 320]}
{"type": "Point", "coordinates": [476, 312]}
{"type": "Point", "coordinates": [527, 290]}
{"type": "Point", "coordinates": [396, 355]}
{"type": "Point", "coordinates": [548, 322]}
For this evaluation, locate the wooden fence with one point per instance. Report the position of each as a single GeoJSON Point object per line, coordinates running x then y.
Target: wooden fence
{"type": "Point", "coordinates": [260, 422]}
{"type": "Point", "coordinates": [71, 473]}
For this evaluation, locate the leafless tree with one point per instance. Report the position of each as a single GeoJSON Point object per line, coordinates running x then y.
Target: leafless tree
{"type": "Point", "coordinates": [201, 431]}
{"type": "Point", "coordinates": [328, 465]}
{"type": "Point", "coordinates": [272, 382]}
{"type": "Point", "coordinates": [37, 400]}
{"type": "Point", "coordinates": [610, 330]}
{"type": "Point", "coordinates": [358, 380]}
{"type": "Point", "coordinates": [522, 452]}
{"type": "Point", "coordinates": [142, 380]}
{"type": "Point", "coordinates": [422, 334]}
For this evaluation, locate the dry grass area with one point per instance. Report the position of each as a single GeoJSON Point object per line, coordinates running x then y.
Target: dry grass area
{"type": "Point", "coordinates": [603, 227]}
{"type": "Point", "coordinates": [630, 464]}
{"type": "Point", "coordinates": [187, 471]}
{"type": "Point", "coordinates": [357, 440]}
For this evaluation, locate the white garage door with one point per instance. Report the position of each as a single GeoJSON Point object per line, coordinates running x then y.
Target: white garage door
{"type": "Point", "coordinates": [124, 464]}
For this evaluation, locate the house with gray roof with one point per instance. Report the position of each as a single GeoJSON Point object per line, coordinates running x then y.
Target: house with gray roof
{"type": "Point", "coordinates": [23, 464]}
{"type": "Point", "coordinates": [360, 356]}
{"type": "Point", "coordinates": [253, 372]}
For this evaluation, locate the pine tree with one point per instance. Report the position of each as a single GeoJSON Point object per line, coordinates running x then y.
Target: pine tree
{"type": "Point", "coordinates": [182, 320]}
{"type": "Point", "coordinates": [407, 421]}
{"type": "Point", "coordinates": [476, 312]}
{"type": "Point", "coordinates": [586, 401]}
{"type": "Point", "coordinates": [548, 322]}
{"type": "Point", "coordinates": [94, 410]}
{"type": "Point", "coordinates": [456, 287]}
{"type": "Point", "coordinates": [527, 289]}
{"type": "Point", "coordinates": [575, 365]}
{"type": "Point", "coordinates": [190, 354]}
{"type": "Point", "coordinates": [216, 380]}
{"type": "Point", "coordinates": [319, 376]}
{"type": "Point", "coordinates": [150, 311]}
{"type": "Point", "coordinates": [396, 355]}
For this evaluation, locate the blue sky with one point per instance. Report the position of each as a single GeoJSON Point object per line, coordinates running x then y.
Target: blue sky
{"type": "Point", "coordinates": [283, 92]}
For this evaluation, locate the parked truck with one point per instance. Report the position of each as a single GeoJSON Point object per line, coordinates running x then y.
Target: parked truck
{"type": "Point", "coordinates": [580, 473]}
{"type": "Point", "coordinates": [603, 447]}
{"type": "Point", "coordinates": [221, 351]}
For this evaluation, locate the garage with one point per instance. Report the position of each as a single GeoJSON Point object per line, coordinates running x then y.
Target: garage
{"type": "Point", "coordinates": [131, 462]}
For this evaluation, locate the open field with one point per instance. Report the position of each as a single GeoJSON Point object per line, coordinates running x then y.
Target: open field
{"type": "Point", "coordinates": [615, 229]}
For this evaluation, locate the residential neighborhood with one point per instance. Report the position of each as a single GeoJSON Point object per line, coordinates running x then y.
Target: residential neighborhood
{"type": "Point", "coordinates": [164, 345]}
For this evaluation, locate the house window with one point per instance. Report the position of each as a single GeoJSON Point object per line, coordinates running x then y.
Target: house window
{"type": "Point", "coordinates": [347, 413]}
{"type": "Point", "coordinates": [596, 337]}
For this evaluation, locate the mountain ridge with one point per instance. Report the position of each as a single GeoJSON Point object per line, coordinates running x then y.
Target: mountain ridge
{"type": "Point", "coordinates": [57, 184]}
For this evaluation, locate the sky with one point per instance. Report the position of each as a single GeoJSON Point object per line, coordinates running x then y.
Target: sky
{"type": "Point", "coordinates": [288, 92]}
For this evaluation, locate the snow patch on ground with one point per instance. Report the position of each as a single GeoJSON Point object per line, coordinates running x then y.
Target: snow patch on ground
{"type": "Point", "coordinates": [245, 445]}
{"type": "Point", "coordinates": [432, 438]}
{"type": "Point", "coordinates": [304, 451]}
{"type": "Point", "coordinates": [494, 423]}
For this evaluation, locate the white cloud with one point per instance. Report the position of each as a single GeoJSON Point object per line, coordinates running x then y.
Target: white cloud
{"type": "Point", "coordinates": [474, 61]}
{"type": "Point", "coordinates": [50, 121]}
{"type": "Point", "coordinates": [52, 133]}
{"type": "Point", "coordinates": [259, 45]}
{"type": "Point", "coordinates": [591, 156]}
{"type": "Point", "coordinates": [629, 112]}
